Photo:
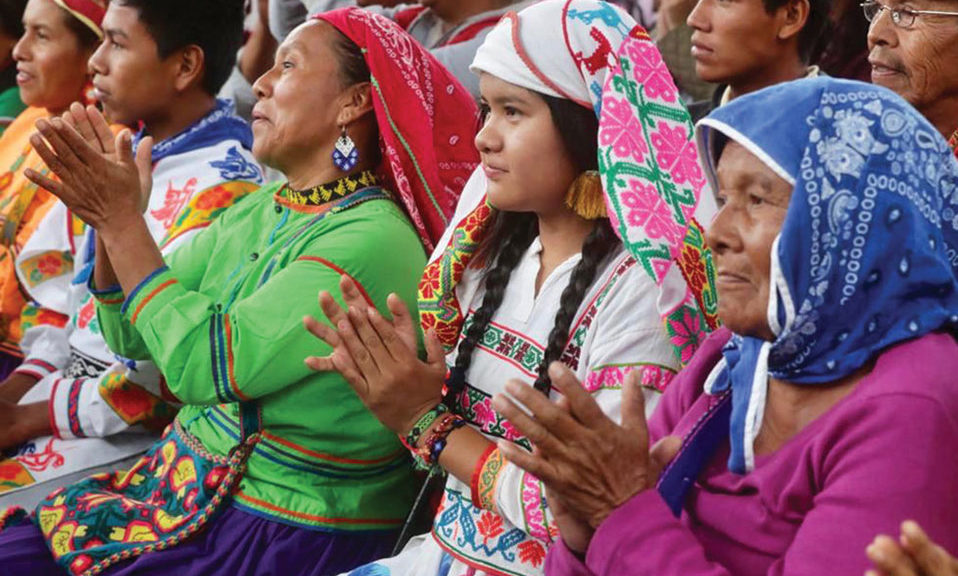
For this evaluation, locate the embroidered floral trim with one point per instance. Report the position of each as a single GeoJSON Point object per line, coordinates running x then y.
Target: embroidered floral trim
{"type": "Point", "coordinates": [325, 193]}
{"type": "Point", "coordinates": [612, 377]}
{"type": "Point", "coordinates": [487, 479]}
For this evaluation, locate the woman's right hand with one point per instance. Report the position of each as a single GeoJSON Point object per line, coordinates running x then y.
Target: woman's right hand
{"type": "Point", "coordinates": [379, 357]}
{"type": "Point", "coordinates": [914, 554]}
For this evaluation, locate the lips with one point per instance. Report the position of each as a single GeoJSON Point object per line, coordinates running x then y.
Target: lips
{"type": "Point", "coordinates": [492, 171]}
{"type": "Point", "coordinates": [23, 77]}
{"type": "Point", "coordinates": [883, 67]}
{"type": "Point", "coordinates": [700, 49]}
{"type": "Point", "coordinates": [729, 277]}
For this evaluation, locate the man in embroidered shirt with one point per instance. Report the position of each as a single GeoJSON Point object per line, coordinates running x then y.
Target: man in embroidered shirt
{"type": "Point", "coordinates": [913, 51]}
{"type": "Point", "coordinates": [748, 45]}
{"type": "Point", "coordinates": [158, 69]}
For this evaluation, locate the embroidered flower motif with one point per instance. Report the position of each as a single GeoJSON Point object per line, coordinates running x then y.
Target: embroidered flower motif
{"type": "Point", "coordinates": [676, 154]}
{"type": "Point", "coordinates": [651, 71]}
{"type": "Point", "coordinates": [214, 198]}
{"type": "Point", "coordinates": [50, 265]}
{"type": "Point", "coordinates": [649, 211]}
{"type": "Point", "coordinates": [686, 332]}
{"type": "Point", "coordinates": [621, 130]}
{"type": "Point", "coordinates": [693, 267]}
{"type": "Point", "coordinates": [489, 525]}
{"type": "Point", "coordinates": [531, 552]}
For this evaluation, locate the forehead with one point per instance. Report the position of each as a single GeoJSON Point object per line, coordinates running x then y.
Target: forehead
{"type": "Point", "coordinates": [312, 38]}
{"type": "Point", "coordinates": [124, 20]}
{"type": "Point", "coordinates": [44, 12]}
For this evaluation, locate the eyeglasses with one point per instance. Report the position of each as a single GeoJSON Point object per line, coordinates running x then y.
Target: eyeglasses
{"type": "Point", "coordinates": [901, 17]}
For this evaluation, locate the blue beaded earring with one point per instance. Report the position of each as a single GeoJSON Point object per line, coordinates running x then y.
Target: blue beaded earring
{"type": "Point", "coordinates": [345, 154]}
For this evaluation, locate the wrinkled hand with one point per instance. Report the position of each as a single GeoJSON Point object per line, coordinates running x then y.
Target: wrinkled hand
{"type": "Point", "coordinates": [914, 554]}
{"type": "Point", "coordinates": [100, 179]}
{"type": "Point", "coordinates": [588, 462]}
{"type": "Point", "coordinates": [379, 358]}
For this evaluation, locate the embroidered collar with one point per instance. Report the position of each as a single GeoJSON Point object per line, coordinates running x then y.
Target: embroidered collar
{"type": "Point", "coordinates": [953, 142]}
{"type": "Point", "coordinates": [325, 193]}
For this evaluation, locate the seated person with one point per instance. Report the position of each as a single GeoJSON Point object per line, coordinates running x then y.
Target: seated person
{"type": "Point", "coordinates": [747, 45]}
{"type": "Point", "coordinates": [52, 54]}
{"type": "Point", "coordinates": [268, 467]}
{"type": "Point", "coordinates": [534, 272]}
{"type": "Point", "coordinates": [828, 396]}
{"type": "Point", "coordinates": [909, 48]}
{"type": "Point", "coordinates": [11, 29]}
{"type": "Point", "coordinates": [158, 69]}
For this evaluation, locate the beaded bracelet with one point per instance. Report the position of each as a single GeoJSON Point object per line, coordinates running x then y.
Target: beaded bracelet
{"type": "Point", "coordinates": [425, 421]}
{"type": "Point", "coordinates": [427, 455]}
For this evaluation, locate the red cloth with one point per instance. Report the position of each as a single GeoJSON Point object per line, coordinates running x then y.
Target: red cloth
{"type": "Point", "coordinates": [427, 120]}
{"type": "Point", "coordinates": [90, 12]}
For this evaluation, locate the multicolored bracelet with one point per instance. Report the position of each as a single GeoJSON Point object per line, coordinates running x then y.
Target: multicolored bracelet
{"type": "Point", "coordinates": [411, 440]}
{"type": "Point", "coordinates": [427, 455]}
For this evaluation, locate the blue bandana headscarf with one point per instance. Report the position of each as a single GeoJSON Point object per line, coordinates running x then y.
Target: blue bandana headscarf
{"type": "Point", "coordinates": [866, 257]}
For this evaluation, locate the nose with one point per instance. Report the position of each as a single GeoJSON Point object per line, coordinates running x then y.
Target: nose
{"type": "Point", "coordinates": [21, 52]}
{"type": "Point", "coordinates": [698, 19]}
{"type": "Point", "coordinates": [722, 235]}
{"type": "Point", "coordinates": [882, 31]}
{"type": "Point", "coordinates": [488, 139]}
{"type": "Point", "coordinates": [97, 62]}
{"type": "Point", "coordinates": [263, 86]}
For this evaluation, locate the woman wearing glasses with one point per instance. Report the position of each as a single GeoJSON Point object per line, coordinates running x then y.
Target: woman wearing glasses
{"type": "Point", "coordinates": [913, 47]}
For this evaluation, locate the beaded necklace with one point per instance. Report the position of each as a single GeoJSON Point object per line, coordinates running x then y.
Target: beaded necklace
{"type": "Point", "coordinates": [324, 193]}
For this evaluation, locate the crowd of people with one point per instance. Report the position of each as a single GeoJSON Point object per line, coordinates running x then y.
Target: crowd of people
{"type": "Point", "coordinates": [478, 287]}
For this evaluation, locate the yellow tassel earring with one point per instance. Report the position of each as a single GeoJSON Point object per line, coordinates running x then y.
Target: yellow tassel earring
{"type": "Point", "coordinates": [585, 196]}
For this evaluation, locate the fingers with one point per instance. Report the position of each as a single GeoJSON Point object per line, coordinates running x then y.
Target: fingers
{"type": "Point", "coordinates": [54, 187]}
{"type": "Point", "coordinates": [582, 405]}
{"type": "Point", "coordinates": [124, 148]}
{"type": "Point", "coordinates": [391, 339]}
{"type": "Point", "coordinates": [370, 338]}
{"type": "Point", "coordinates": [357, 349]}
{"type": "Point", "coordinates": [533, 428]}
{"type": "Point", "coordinates": [352, 295]}
{"type": "Point", "coordinates": [77, 118]}
{"type": "Point", "coordinates": [930, 558]}
{"type": "Point", "coordinates": [101, 128]}
{"type": "Point", "coordinates": [633, 404]}
{"type": "Point", "coordinates": [67, 142]}
{"type": "Point", "coordinates": [323, 332]}
{"type": "Point", "coordinates": [889, 558]}
{"type": "Point", "coordinates": [662, 453]}
{"type": "Point", "coordinates": [49, 158]}
{"type": "Point", "coordinates": [531, 463]}
{"type": "Point", "coordinates": [405, 325]}
{"type": "Point", "coordinates": [331, 308]}
{"type": "Point", "coordinates": [435, 353]}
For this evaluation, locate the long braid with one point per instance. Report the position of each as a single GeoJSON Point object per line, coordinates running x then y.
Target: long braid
{"type": "Point", "coordinates": [516, 231]}
{"type": "Point", "coordinates": [595, 248]}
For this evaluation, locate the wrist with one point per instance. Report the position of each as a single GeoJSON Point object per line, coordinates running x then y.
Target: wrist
{"type": "Point", "coordinates": [119, 227]}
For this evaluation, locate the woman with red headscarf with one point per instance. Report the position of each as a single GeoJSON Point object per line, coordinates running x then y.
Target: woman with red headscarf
{"type": "Point", "coordinates": [269, 467]}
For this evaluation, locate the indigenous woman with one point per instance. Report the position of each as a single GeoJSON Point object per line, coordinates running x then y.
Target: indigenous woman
{"type": "Point", "coordinates": [59, 37]}
{"type": "Point", "coordinates": [828, 414]}
{"type": "Point", "coordinates": [533, 272]}
{"type": "Point", "coordinates": [268, 467]}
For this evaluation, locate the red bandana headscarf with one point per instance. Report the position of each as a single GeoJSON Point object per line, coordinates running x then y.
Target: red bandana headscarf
{"type": "Point", "coordinates": [90, 12]}
{"type": "Point", "coordinates": [427, 120]}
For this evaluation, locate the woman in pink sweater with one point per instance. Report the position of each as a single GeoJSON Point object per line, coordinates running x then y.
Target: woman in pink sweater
{"type": "Point", "coordinates": [830, 406]}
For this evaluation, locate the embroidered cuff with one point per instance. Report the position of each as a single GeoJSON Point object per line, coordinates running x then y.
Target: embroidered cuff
{"type": "Point", "coordinates": [150, 294]}
{"type": "Point", "coordinates": [36, 368]}
{"type": "Point", "coordinates": [65, 408]}
{"type": "Point", "coordinates": [485, 478]}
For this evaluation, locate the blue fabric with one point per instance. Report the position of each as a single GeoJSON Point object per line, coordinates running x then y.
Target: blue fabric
{"type": "Point", "coordinates": [867, 253]}
{"type": "Point", "coordinates": [219, 125]}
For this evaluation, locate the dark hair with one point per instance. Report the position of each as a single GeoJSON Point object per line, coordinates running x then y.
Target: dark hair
{"type": "Point", "coordinates": [11, 17]}
{"type": "Point", "coordinates": [216, 26]}
{"type": "Point", "coordinates": [353, 70]}
{"type": "Point", "coordinates": [511, 235]}
{"type": "Point", "coordinates": [814, 29]}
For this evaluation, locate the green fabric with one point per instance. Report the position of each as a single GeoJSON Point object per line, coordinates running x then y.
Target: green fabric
{"type": "Point", "coordinates": [10, 107]}
{"type": "Point", "coordinates": [218, 336]}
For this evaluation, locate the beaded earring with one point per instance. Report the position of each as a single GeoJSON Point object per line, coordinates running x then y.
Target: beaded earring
{"type": "Point", "coordinates": [345, 153]}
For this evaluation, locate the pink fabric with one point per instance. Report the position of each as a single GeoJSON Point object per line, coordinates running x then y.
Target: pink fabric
{"type": "Point", "coordinates": [427, 120]}
{"type": "Point", "coordinates": [883, 454]}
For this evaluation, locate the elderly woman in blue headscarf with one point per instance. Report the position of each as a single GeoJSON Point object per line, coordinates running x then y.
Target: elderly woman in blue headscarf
{"type": "Point", "coordinates": [826, 410]}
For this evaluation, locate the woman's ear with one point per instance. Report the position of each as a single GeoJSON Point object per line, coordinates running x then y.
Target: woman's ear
{"type": "Point", "coordinates": [793, 17]}
{"type": "Point", "coordinates": [357, 100]}
{"type": "Point", "coordinates": [189, 67]}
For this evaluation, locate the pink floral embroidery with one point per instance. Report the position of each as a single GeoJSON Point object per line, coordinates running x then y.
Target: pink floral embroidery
{"type": "Point", "coordinates": [651, 71]}
{"type": "Point", "coordinates": [677, 154]}
{"type": "Point", "coordinates": [612, 377]}
{"type": "Point", "coordinates": [649, 211]}
{"type": "Point", "coordinates": [622, 131]}
{"type": "Point", "coordinates": [533, 509]}
{"type": "Point", "coordinates": [686, 332]}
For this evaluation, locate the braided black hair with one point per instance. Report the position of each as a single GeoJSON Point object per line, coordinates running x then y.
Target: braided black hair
{"type": "Point", "coordinates": [510, 237]}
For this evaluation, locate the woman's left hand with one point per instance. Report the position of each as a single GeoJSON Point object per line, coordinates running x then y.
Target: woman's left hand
{"type": "Point", "coordinates": [584, 458]}
{"type": "Point", "coordinates": [102, 187]}
{"type": "Point", "coordinates": [379, 358]}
